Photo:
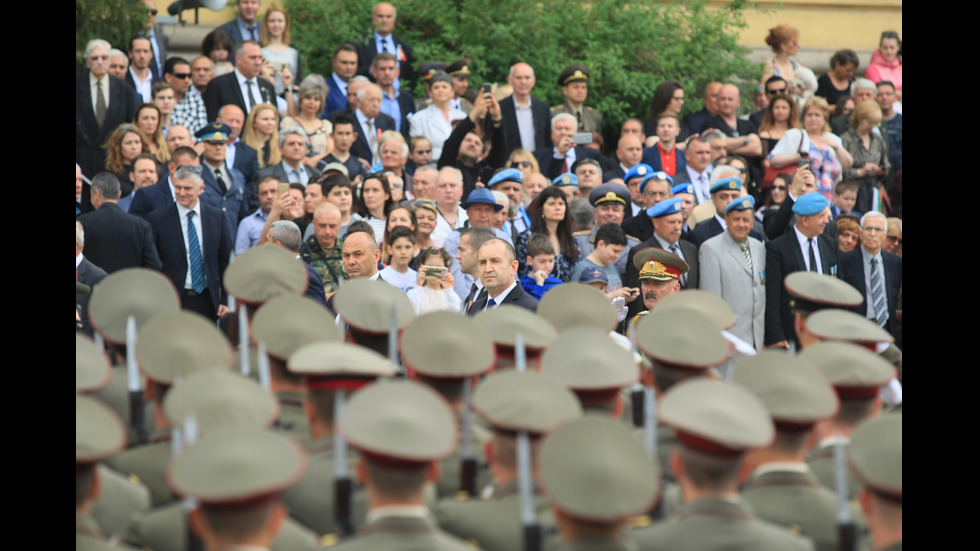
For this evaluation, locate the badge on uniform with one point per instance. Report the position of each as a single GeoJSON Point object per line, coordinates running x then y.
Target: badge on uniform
{"type": "Point", "coordinates": [833, 270]}
{"type": "Point", "coordinates": [762, 277]}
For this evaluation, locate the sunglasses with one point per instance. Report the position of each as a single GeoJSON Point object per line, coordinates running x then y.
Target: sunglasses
{"type": "Point", "coordinates": [894, 238]}
{"type": "Point", "coordinates": [775, 91]}
{"type": "Point", "coordinates": [780, 188]}
{"type": "Point", "coordinates": [181, 76]}
{"type": "Point", "coordinates": [423, 151]}
{"type": "Point", "coordinates": [522, 164]}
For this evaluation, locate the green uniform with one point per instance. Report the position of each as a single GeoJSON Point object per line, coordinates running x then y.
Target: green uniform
{"type": "Point", "coordinates": [594, 545]}
{"type": "Point", "coordinates": [589, 120]}
{"type": "Point", "coordinates": [821, 461]}
{"type": "Point", "coordinates": [495, 524]}
{"type": "Point", "coordinates": [718, 524]}
{"type": "Point", "coordinates": [328, 263]}
{"type": "Point", "coordinates": [116, 395]}
{"type": "Point", "coordinates": [392, 533]}
{"type": "Point", "coordinates": [149, 463]}
{"type": "Point", "coordinates": [797, 501]}
{"type": "Point", "coordinates": [311, 500]}
{"type": "Point", "coordinates": [120, 498]}
{"type": "Point", "coordinates": [450, 468]}
{"type": "Point", "coordinates": [88, 537]}
{"type": "Point", "coordinates": [666, 444]}
{"type": "Point", "coordinates": [292, 418]}
{"type": "Point", "coordinates": [165, 529]}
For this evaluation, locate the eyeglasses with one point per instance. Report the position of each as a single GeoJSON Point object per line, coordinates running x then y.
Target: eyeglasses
{"type": "Point", "coordinates": [181, 76]}
{"type": "Point", "coordinates": [423, 151]}
{"type": "Point", "coordinates": [780, 188]}
{"type": "Point", "coordinates": [522, 164]}
{"type": "Point", "coordinates": [776, 91]}
{"type": "Point", "coordinates": [894, 239]}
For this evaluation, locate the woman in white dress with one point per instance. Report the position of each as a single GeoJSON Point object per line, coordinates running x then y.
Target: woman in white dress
{"type": "Point", "coordinates": [435, 122]}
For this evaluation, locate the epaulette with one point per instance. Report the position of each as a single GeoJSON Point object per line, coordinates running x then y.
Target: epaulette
{"type": "Point", "coordinates": [582, 232]}
{"type": "Point", "coordinates": [329, 540]}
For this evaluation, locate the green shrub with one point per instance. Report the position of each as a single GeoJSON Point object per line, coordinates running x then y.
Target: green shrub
{"type": "Point", "coordinates": [113, 20]}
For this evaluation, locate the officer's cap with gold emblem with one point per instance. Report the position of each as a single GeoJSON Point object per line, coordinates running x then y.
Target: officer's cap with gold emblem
{"type": "Point", "coordinates": [666, 208]}
{"type": "Point", "coordinates": [796, 393]}
{"type": "Point", "coordinates": [875, 455]}
{"type": "Point", "coordinates": [237, 466]}
{"type": "Point", "coordinates": [178, 344]}
{"type": "Point", "coordinates": [855, 372]}
{"type": "Point", "coordinates": [811, 292]}
{"type": "Point", "coordinates": [525, 401]}
{"type": "Point", "coordinates": [400, 422]}
{"type": "Point", "coordinates": [577, 305]}
{"type": "Point", "coordinates": [710, 305]}
{"type": "Point", "coordinates": [566, 179]}
{"type": "Point", "coordinates": [220, 399]}
{"type": "Point", "coordinates": [504, 322]}
{"type": "Point", "coordinates": [286, 323]}
{"type": "Point", "coordinates": [429, 69]}
{"type": "Point", "coordinates": [214, 132]}
{"type": "Point", "coordinates": [576, 72]}
{"type": "Point", "coordinates": [92, 367]}
{"type": "Point", "coordinates": [610, 193]}
{"type": "Point", "coordinates": [682, 338]}
{"type": "Point", "coordinates": [594, 470]}
{"type": "Point", "coordinates": [447, 345]}
{"type": "Point", "coordinates": [716, 417]}
{"type": "Point", "coordinates": [639, 170]}
{"type": "Point", "coordinates": [338, 365]}
{"type": "Point", "coordinates": [659, 265]}
{"type": "Point", "coordinates": [459, 68]}
{"type": "Point", "coordinates": [366, 305]}
{"type": "Point", "coordinates": [588, 362]}
{"type": "Point", "coordinates": [136, 292]}
{"type": "Point", "coordinates": [727, 184]}
{"type": "Point", "coordinates": [99, 433]}
{"type": "Point", "coordinates": [265, 272]}
{"type": "Point", "coordinates": [742, 203]}
{"type": "Point", "coordinates": [844, 325]}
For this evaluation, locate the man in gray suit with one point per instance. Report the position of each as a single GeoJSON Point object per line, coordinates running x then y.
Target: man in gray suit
{"type": "Point", "coordinates": [292, 142]}
{"type": "Point", "coordinates": [733, 266]}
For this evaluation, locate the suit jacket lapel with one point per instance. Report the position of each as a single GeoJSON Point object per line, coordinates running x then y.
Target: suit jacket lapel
{"type": "Point", "coordinates": [177, 231]}
{"type": "Point", "coordinates": [736, 252]}
{"type": "Point", "coordinates": [795, 244]}
{"type": "Point", "coordinates": [84, 91]}
{"type": "Point", "coordinates": [827, 259]}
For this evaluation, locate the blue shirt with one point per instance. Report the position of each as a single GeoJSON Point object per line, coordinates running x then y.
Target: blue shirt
{"type": "Point", "coordinates": [390, 107]}
{"type": "Point", "coordinates": [249, 230]}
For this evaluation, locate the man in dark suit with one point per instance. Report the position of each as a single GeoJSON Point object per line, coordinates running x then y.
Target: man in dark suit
{"type": "Point", "coordinates": [116, 240]}
{"type": "Point", "coordinates": [629, 151]}
{"type": "Point", "coordinates": [86, 273]}
{"type": "Point", "coordinates": [371, 122]}
{"type": "Point", "coordinates": [292, 144]}
{"type": "Point", "coordinates": [395, 104]}
{"type": "Point", "coordinates": [159, 40]}
{"type": "Point", "coordinates": [383, 18]}
{"type": "Point", "coordinates": [247, 25]}
{"type": "Point", "coordinates": [654, 188]}
{"type": "Point", "coordinates": [344, 69]}
{"type": "Point", "coordinates": [876, 274]}
{"type": "Point", "coordinates": [161, 194]}
{"type": "Point", "coordinates": [529, 129]}
{"type": "Point", "coordinates": [194, 245]}
{"type": "Point", "coordinates": [142, 73]}
{"type": "Point", "coordinates": [497, 264]}
{"type": "Point", "coordinates": [241, 87]}
{"type": "Point", "coordinates": [695, 121]}
{"type": "Point", "coordinates": [803, 249]}
{"type": "Point", "coordinates": [241, 156]}
{"type": "Point", "coordinates": [95, 117]}
{"type": "Point", "coordinates": [557, 160]}
{"type": "Point", "coordinates": [224, 187]}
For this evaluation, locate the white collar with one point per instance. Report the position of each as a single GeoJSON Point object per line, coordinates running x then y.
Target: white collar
{"type": "Point", "coordinates": [499, 299]}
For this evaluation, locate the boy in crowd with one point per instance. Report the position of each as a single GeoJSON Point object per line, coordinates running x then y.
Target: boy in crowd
{"type": "Point", "coordinates": [845, 196]}
{"type": "Point", "coordinates": [610, 240]}
{"type": "Point", "coordinates": [540, 262]}
{"type": "Point", "coordinates": [344, 135]}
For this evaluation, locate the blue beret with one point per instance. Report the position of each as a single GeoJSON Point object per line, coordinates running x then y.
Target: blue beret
{"type": "Point", "coordinates": [566, 179]}
{"type": "Point", "coordinates": [727, 183]}
{"type": "Point", "coordinates": [665, 208]}
{"type": "Point", "coordinates": [810, 204]}
{"type": "Point", "coordinates": [507, 175]}
{"type": "Point", "coordinates": [610, 193]}
{"type": "Point", "coordinates": [482, 195]}
{"type": "Point", "coordinates": [639, 170]}
{"type": "Point", "coordinates": [742, 203]}
{"type": "Point", "coordinates": [214, 132]}
{"type": "Point", "coordinates": [659, 176]}
{"type": "Point", "coordinates": [682, 188]}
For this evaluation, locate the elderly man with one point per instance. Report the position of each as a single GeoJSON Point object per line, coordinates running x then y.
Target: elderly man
{"type": "Point", "coordinates": [862, 89]}
{"type": "Point", "coordinates": [118, 64]}
{"type": "Point", "coordinates": [285, 234]}
{"type": "Point", "coordinates": [498, 264]}
{"type": "Point", "coordinates": [733, 266]}
{"type": "Point", "coordinates": [510, 182]}
{"type": "Point", "coordinates": [589, 174]}
{"type": "Point", "coordinates": [875, 273]}
{"type": "Point", "coordinates": [448, 193]}
{"type": "Point", "coordinates": [659, 275]}
{"type": "Point", "coordinates": [397, 105]}
{"type": "Point", "coordinates": [698, 169]}
{"type": "Point", "coordinates": [696, 121]}
{"type": "Point", "coordinates": [526, 117]}
{"type": "Point", "coordinates": [371, 123]}
{"type": "Point", "coordinates": [202, 71]}
{"type": "Point", "coordinates": [724, 190]}
{"type": "Point", "coordinates": [394, 153]}
{"type": "Point", "coordinates": [241, 87]}
{"type": "Point", "coordinates": [384, 16]}
{"type": "Point", "coordinates": [560, 158]}
{"type": "Point", "coordinates": [653, 188]}
{"type": "Point", "coordinates": [292, 143]}
{"type": "Point", "coordinates": [189, 111]}
{"type": "Point", "coordinates": [115, 239]}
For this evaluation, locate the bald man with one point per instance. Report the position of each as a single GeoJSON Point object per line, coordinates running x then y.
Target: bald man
{"type": "Point", "coordinates": [527, 120]}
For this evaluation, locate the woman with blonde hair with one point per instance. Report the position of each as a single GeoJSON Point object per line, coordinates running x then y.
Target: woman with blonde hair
{"type": "Point", "coordinates": [277, 45]}
{"type": "Point", "coordinates": [311, 103]}
{"type": "Point", "coordinates": [822, 148]}
{"type": "Point", "coordinates": [262, 133]}
{"type": "Point", "coordinates": [870, 155]}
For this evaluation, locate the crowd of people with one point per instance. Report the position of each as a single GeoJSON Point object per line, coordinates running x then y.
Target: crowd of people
{"type": "Point", "coordinates": [714, 266]}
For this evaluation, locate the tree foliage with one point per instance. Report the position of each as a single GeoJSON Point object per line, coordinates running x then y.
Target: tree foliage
{"type": "Point", "coordinates": [631, 47]}
{"type": "Point", "coordinates": [113, 20]}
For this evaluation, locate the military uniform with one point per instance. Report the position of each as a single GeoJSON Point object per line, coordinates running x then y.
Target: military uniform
{"type": "Point", "coordinates": [394, 532]}
{"type": "Point", "coordinates": [116, 395]}
{"type": "Point", "coordinates": [450, 469]}
{"type": "Point", "coordinates": [148, 463]}
{"type": "Point", "coordinates": [494, 524]}
{"type": "Point", "coordinates": [656, 264]}
{"type": "Point", "coordinates": [165, 529]}
{"type": "Point", "coordinates": [328, 263]}
{"type": "Point", "coordinates": [589, 120]}
{"type": "Point", "coordinates": [88, 537]}
{"type": "Point", "coordinates": [821, 462]}
{"type": "Point", "coordinates": [292, 419]}
{"type": "Point", "coordinates": [120, 498]}
{"type": "Point", "coordinates": [311, 500]}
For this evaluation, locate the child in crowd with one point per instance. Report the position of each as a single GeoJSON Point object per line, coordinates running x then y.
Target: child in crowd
{"type": "Point", "coordinates": [432, 293]}
{"type": "Point", "coordinates": [540, 262]}
{"type": "Point", "coordinates": [845, 196]}
{"type": "Point", "coordinates": [400, 246]}
{"type": "Point", "coordinates": [610, 240]}
{"type": "Point", "coordinates": [344, 134]}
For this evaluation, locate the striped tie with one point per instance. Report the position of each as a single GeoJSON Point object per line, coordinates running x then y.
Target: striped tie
{"type": "Point", "coordinates": [197, 260]}
{"type": "Point", "coordinates": [878, 294]}
{"type": "Point", "coordinates": [677, 251]}
{"type": "Point", "coordinates": [747, 255]}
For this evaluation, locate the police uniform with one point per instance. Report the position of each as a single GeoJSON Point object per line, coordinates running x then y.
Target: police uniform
{"type": "Point", "coordinates": [510, 401]}
{"type": "Point", "coordinates": [658, 265]}
{"type": "Point", "coordinates": [721, 420]}
{"type": "Point", "coordinates": [589, 120]}
{"type": "Point", "coordinates": [585, 239]}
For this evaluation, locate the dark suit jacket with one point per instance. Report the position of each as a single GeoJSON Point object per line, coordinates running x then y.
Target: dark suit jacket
{"type": "Point", "coordinates": [651, 156]}
{"type": "Point", "coordinates": [224, 90]}
{"type": "Point", "coordinates": [852, 271]}
{"type": "Point", "coordinates": [232, 203]}
{"type": "Point", "coordinates": [690, 252]}
{"type": "Point", "coordinates": [151, 198]}
{"type": "Point", "coordinates": [154, 78]}
{"type": "Point", "coordinates": [541, 113]}
{"type": "Point", "coordinates": [695, 121]}
{"type": "Point", "coordinates": [516, 297]}
{"type": "Point", "coordinates": [115, 239]}
{"type": "Point", "coordinates": [362, 146]}
{"type": "Point", "coordinates": [712, 227]}
{"type": "Point", "coordinates": [89, 136]}
{"type": "Point", "coordinates": [280, 173]}
{"type": "Point", "coordinates": [406, 103]}
{"type": "Point", "coordinates": [615, 172]}
{"type": "Point", "coordinates": [247, 162]}
{"type": "Point", "coordinates": [551, 167]}
{"type": "Point", "coordinates": [367, 48]}
{"type": "Point", "coordinates": [216, 247]}
{"type": "Point", "coordinates": [233, 31]}
{"type": "Point", "coordinates": [779, 221]}
{"type": "Point", "coordinates": [783, 257]}
{"type": "Point", "coordinates": [336, 100]}
{"type": "Point", "coordinates": [314, 286]}
{"type": "Point", "coordinates": [89, 274]}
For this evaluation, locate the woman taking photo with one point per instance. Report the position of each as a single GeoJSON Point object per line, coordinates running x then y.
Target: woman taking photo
{"type": "Point", "coordinates": [311, 98]}
{"type": "Point", "coordinates": [550, 217]}
{"type": "Point", "coordinates": [435, 122]}
{"type": "Point", "coordinates": [870, 156]}
{"type": "Point", "coordinates": [262, 133]}
{"type": "Point", "coordinates": [373, 204]}
{"type": "Point", "coordinates": [775, 195]}
{"type": "Point", "coordinates": [277, 45]}
{"type": "Point", "coordinates": [826, 156]}
{"type": "Point", "coordinates": [836, 84]}
{"type": "Point", "coordinates": [122, 148]}
{"type": "Point", "coordinates": [147, 121]}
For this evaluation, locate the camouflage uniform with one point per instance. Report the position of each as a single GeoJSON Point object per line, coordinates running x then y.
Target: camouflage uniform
{"type": "Point", "coordinates": [328, 263]}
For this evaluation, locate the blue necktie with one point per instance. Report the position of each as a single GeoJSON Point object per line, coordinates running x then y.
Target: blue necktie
{"type": "Point", "coordinates": [491, 303]}
{"type": "Point", "coordinates": [197, 259]}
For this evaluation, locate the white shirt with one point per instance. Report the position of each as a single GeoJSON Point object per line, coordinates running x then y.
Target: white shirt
{"type": "Point", "coordinates": [144, 88]}
{"type": "Point", "coordinates": [805, 247]}
{"type": "Point", "coordinates": [243, 86]}
{"type": "Point", "coordinates": [724, 225]}
{"type": "Point", "coordinates": [525, 124]}
{"type": "Point", "coordinates": [230, 152]}
{"type": "Point", "coordinates": [105, 90]}
{"type": "Point", "coordinates": [702, 183]}
{"type": "Point", "coordinates": [182, 211]}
